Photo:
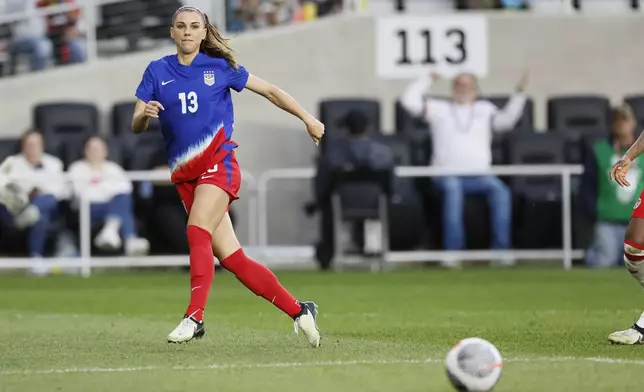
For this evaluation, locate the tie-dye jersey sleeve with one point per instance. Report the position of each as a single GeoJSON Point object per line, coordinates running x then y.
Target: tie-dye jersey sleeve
{"type": "Point", "coordinates": [237, 78]}
{"type": "Point", "coordinates": [145, 91]}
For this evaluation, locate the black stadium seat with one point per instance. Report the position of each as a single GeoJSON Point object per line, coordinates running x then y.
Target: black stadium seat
{"type": "Point", "coordinates": [122, 113]}
{"type": "Point", "coordinates": [65, 126]}
{"type": "Point", "coordinates": [9, 147]}
{"type": "Point", "coordinates": [333, 110]}
{"type": "Point", "coordinates": [579, 112]}
{"type": "Point", "coordinates": [636, 102]}
{"type": "Point", "coordinates": [537, 199]}
{"type": "Point", "coordinates": [57, 118]}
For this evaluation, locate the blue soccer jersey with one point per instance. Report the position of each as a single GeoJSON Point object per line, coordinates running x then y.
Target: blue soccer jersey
{"type": "Point", "coordinates": [197, 123]}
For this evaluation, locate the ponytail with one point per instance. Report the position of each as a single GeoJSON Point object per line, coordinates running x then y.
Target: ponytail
{"type": "Point", "coordinates": [214, 45]}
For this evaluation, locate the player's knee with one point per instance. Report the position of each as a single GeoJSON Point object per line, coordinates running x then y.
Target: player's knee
{"type": "Point", "coordinates": [634, 259]}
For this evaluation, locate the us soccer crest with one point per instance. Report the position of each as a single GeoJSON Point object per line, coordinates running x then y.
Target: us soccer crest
{"type": "Point", "coordinates": [209, 78]}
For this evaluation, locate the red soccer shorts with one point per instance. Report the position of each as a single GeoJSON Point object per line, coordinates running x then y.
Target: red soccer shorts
{"type": "Point", "coordinates": [225, 175]}
{"type": "Point", "coordinates": [638, 209]}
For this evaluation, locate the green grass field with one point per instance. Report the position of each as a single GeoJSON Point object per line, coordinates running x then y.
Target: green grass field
{"type": "Point", "coordinates": [382, 332]}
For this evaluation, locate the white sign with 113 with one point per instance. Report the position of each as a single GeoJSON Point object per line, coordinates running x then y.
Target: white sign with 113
{"type": "Point", "coordinates": [409, 45]}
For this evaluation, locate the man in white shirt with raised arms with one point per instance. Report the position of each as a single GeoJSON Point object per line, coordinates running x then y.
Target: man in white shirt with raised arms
{"type": "Point", "coordinates": [461, 131]}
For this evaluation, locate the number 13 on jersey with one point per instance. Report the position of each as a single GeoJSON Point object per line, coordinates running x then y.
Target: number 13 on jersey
{"type": "Point", "coordinates": [407, 46]}
{"type": "Point", "coordinates": [189, 102]}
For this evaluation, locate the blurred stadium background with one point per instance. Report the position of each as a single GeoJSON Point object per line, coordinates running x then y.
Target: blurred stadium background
{"type": "Point", "coordinates": [381, 331]}
{"type": "Point", "coordinates": [335, 56]}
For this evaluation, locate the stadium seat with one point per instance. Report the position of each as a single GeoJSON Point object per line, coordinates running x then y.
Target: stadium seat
{"type": "Point", "coordinates": [141, 148]}
{"type": "Point", "coordinates": [331, 111]}
{"type": "Point", "coordinates": [526, 122]}
{"type": "Point", "coordinates": [122, 113]}
{"type": "Point", "coordinates": [65, 126]}
{"type": "Point", "coordinates": [57, 118]}
{"type": "Point", "coordinates": [537, 199]}
{"type": "Point", "coordinates": [578, 112]}
{"type": "Point", "coordinates": [406, 216]}
{"type": "Point", "coordinates": [9, 147]}
{"type": "Point", "coordinates": [405, 121]}
{"type": "Point", "coordinates": [122, 20]}
{"type": "Point", "coordinates": [359, 195]}
{"type": "Point", "coordinates": [636, 102]}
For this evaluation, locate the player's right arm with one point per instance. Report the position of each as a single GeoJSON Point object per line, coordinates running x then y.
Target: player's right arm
{"type": "Point", "coordinates": [620, 168]}
{"type": "Point", "coordinates": [146, 104]}
{"type": "Point", "coordinates": [143, 112]}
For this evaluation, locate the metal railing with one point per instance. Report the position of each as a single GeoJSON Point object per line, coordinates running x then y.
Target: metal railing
{"type": "Point", "coordinates": [567, 253]}
{"type": "Point", "coordinates": [292, 256]}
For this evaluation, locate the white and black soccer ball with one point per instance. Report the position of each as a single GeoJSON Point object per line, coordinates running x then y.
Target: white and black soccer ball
{"type": "Point", "coordinates": [474, 365]}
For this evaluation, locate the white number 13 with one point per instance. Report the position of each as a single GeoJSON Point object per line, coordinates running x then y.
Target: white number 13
{"type": "Point", "coordinates": [191, 106]}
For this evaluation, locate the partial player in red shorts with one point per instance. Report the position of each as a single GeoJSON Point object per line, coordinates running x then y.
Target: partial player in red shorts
{"type": "Point", "coordinates": [634, 241]}
{"type": "Point", "coordinates": [190, 93]}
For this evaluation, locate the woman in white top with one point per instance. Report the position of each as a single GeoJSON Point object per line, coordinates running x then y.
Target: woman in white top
{"type": "Point", "coordinates": [109, 191]}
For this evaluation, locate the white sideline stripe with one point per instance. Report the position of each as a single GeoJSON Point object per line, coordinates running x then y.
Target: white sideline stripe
{"type": "Point", "coordinates": [310, 364]}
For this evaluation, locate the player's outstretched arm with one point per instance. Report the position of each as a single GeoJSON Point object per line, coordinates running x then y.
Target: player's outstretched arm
{"type": "Point", "coordinates": [620, 169]}
{"type": "Point", "coordinates": [285, 102]}
{"type": "Point", "coordinates": [143, 112]}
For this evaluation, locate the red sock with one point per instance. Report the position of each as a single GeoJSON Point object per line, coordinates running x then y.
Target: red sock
{"type": "Point", "coordinates": [261, 281]}
{"type": "Point", "coordinates": [202, 270]}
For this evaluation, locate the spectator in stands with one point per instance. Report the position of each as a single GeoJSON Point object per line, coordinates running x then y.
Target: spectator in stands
{"type": "Point", "coordinates": [607, 202]}
{"type": "Point", "coordinates": [462, 134]}
{"type": "Point", "coordinates": [65, 31]}
{"type": "Point", "coordinates": [109, 191]}
{"type": "Point", "coordinates": [356, 150]}
{"type": "Point", "coordinates": [30, 36]}
{"type": "Point", "coordinates": [37, 172]}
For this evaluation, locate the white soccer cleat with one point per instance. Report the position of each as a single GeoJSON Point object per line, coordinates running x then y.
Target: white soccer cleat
{"type": "Point", "coordinates": [187, 330]}
{"type": "Point", "coordinates": [306, 321]}
{"type": "Point", "coordinates": [108, 239]}
{"type": "Point", "coordinates": [136, 246]}
{"type": "Point", "coordinates": [629, 336]}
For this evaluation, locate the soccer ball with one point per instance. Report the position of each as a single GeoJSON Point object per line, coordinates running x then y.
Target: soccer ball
{"type": "Point", "coordinates": [474, 365]}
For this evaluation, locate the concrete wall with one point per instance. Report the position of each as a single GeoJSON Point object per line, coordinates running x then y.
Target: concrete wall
{"type": "Point", "coordinates": [566, 54]}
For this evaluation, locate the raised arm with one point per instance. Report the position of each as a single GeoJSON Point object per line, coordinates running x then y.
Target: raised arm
{"type": "Point", "coordinates": [285, 102]}
{"type": "Point", "coordinates": [508, 117]}
{"type": "Point", "coordinates": [413, 99]}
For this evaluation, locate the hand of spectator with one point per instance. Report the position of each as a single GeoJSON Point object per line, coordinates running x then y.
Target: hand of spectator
{"type": "Point", "coordinates": [523, 82]}
{"type": "Point", "coordinates": [619, 170]}
{"type": "Point", "coordinates": [152, 109]}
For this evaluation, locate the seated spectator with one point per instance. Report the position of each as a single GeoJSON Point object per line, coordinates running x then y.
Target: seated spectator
{"type": "Point", "coordinates": [41, 179]}
{"type": "Point", "coordinates": [30, 36]}
{"type": "Point", "coordinates": [610, 204]}
{"type": "Point", "coordinates": [65, 30]}
{"type": "Point", "coordinates": [462, 137]}
{"type": "Point", "coordinates": [357, 150]}
{"type": "Point", "coordinates": [109, 191]}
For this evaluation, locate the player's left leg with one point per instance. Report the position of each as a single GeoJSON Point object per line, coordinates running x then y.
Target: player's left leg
{"type": "Point", "coordinates": [634, 262]}
{"type": "Point", "coordinates": [262, 281]}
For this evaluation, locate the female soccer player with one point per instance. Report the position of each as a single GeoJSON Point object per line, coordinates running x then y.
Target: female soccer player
{"type": "Point", "coordinates": [189, 92]}
{"type": "Point", "coordinates": [634, 241]}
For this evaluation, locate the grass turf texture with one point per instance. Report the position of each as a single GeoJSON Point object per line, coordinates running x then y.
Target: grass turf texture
{"type": "Point", "coordinates": [382, 332]}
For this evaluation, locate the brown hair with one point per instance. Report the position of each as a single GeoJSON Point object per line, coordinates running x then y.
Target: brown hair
{"type": "Point", "coordinates": [623, 112]}
{"type": "Point", "coordinates": [214, 45]}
